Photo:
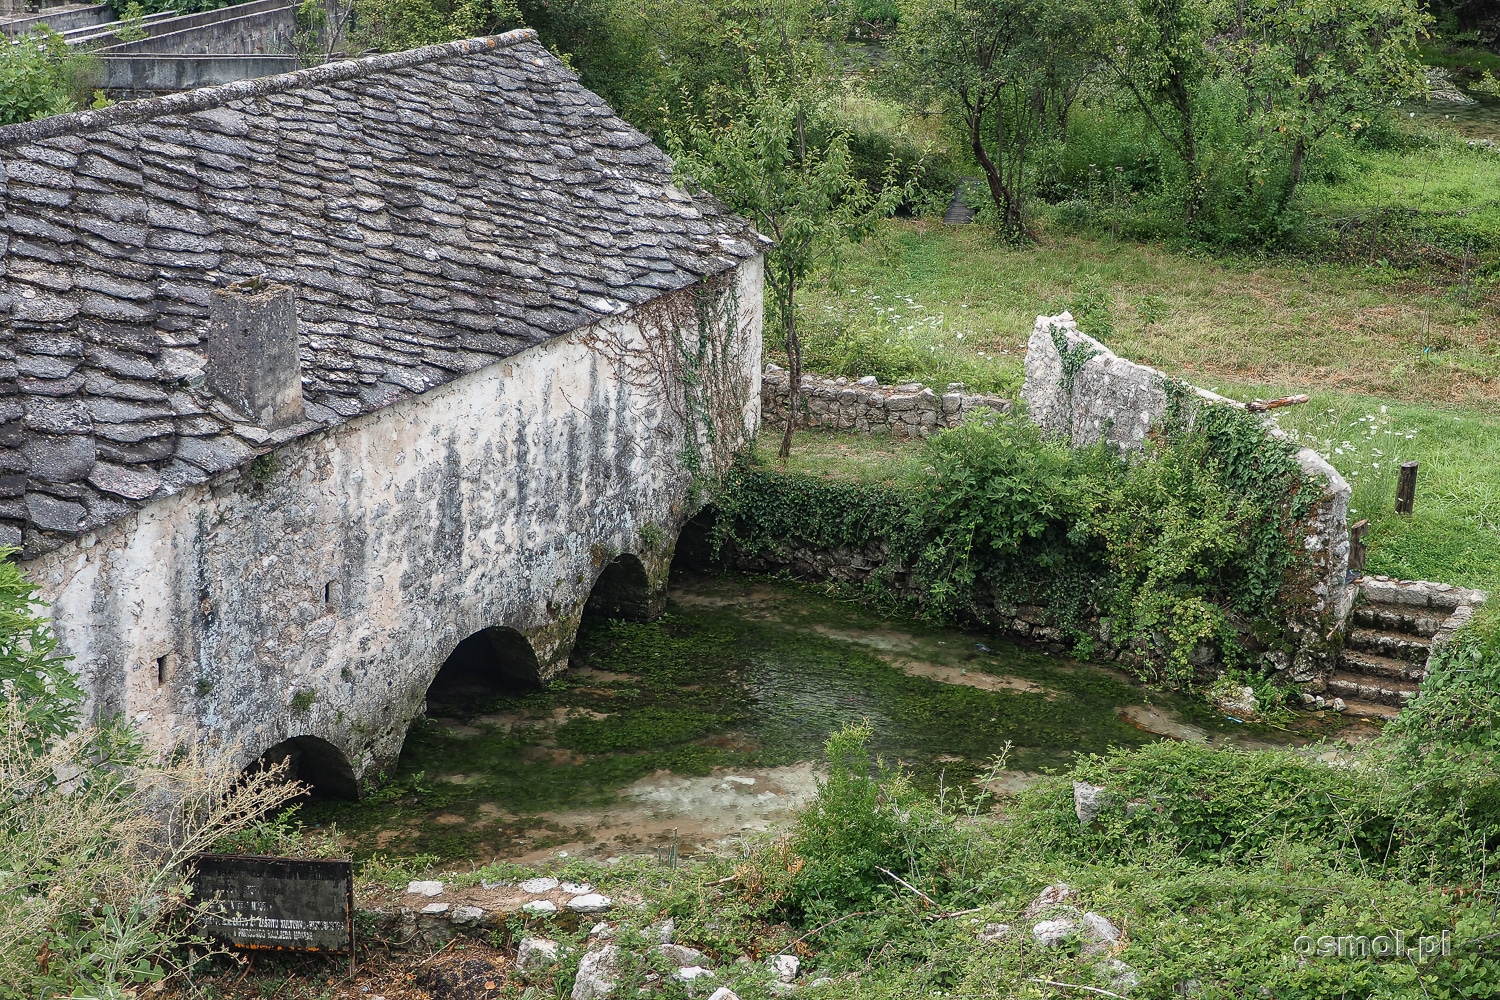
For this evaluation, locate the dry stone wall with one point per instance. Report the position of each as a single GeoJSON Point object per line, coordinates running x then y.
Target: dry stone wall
{"type": "Point", "coordinates": [908, 410]}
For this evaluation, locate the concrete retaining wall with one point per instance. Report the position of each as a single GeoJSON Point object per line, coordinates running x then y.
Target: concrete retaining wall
{"type": "Point", "coordinates": [65, 20]}
{"type": "Point", "coordinates": [133, 76]}
{"type": "Point", "coordinates": [262, 28]}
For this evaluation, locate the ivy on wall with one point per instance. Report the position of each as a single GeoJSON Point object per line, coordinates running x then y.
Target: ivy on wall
{"type": "Point", "coordinates": [1191, 549]}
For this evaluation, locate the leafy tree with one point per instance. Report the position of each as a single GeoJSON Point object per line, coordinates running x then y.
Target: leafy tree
{"type": "Point", "coordinates": [1003, 73]}
{"type": "Point", "coordinates": [803, 195]}
{"type": "Point", "coordinates": [1155, 50]}
{"type": "Point", "coordinates": [1308, 67]}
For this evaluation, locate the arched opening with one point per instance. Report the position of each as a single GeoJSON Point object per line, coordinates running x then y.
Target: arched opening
{"type": "Point", "coordinates": [314, 762]}
{"type": "Point", "coordinates": [491, 663]}
{"type": "Point", "coordinates": [621, 591]}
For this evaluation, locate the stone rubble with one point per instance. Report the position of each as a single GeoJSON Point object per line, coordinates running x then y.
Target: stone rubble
{"type": "Point", "coordinates": [536, 955]}
{"type": "Point", "coordinates": [598, 973]}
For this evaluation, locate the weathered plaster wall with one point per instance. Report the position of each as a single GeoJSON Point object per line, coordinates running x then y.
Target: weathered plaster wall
{"type": "Point", "coordinates": [344, 568]}
{"type": "Point", "coordinates": [1077, 387]}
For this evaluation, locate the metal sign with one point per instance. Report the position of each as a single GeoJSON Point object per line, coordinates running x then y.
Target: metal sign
{"type": "Point", "coordinates": [283, 904]}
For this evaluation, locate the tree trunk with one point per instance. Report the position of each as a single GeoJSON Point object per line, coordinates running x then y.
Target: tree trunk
{"type": "Point", "coordinates": [1182, 102]}
{"type": "Point", "coordinates": [998, 192]}
{"type": "Point", "coordinates": [794, 365]}
{"type": "Point", "coordinates": [1294, 171]}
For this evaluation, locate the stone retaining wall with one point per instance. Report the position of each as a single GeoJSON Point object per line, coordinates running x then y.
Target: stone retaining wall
{"type": "Point", "coordinates": [906, 411]}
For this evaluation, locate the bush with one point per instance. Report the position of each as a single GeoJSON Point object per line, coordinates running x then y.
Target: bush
{"type": "Point", "coordinates": [870, 836]}
{"type": "Point", "coordinates": [1193, 545]}
{"type": "Point", "coordinates": [41, 76]}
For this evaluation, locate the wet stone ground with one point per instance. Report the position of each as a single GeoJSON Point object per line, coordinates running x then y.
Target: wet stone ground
{"type": "Point", "coordinates": [680, 734]}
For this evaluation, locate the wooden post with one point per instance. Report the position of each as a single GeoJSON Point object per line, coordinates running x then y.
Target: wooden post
{"type": "Point", "coordinates": [1357, 547]}
{"type": "Point", "coordinates": [1406, 488]}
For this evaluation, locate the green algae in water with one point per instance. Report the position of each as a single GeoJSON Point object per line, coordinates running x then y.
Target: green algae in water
{"type": "Point", "coordinates": [740, 673]}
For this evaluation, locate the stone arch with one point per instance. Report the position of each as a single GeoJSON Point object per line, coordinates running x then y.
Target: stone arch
{"type": "Point", "coordinates": [314, 762]}
{"type": "Point", "coordinates": [623, 589]}
{"type": "Point", "coordinates": [492, 662]}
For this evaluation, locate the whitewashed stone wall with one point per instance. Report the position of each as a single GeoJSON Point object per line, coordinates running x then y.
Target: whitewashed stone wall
{"type": "Point", "coordinates": [318, 593]}
{"type": "Point", "coordinates": [908, 410]}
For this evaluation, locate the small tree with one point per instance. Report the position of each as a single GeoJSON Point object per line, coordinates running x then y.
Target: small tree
{"type": "Point", "coordinates": [1310, 67]}
{"type": "Point", "coordinates": [804, 196]}
{"type": "Point", "coordinates": [41, 76]}
{"type": "Point", "coordinates": [1002, 72]}
{"type": "Point", "coordinates": [1155, 50]}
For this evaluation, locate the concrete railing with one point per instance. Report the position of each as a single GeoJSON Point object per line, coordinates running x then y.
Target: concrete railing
{"type": "Point", "coordinates": [146, 74]}
{"type": "Point", "coordinates": [63, 21]}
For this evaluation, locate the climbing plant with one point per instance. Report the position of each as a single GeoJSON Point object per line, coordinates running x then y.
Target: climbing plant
{"type": "Point", "coordinates": [692, 352]}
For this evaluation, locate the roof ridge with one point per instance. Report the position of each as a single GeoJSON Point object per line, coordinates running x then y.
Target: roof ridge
{"type": "Point", "coordinates": [203, 98]}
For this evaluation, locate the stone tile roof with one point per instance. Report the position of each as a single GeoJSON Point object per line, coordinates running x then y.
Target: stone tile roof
{"type": "Point", "coordinates": [435, 210]}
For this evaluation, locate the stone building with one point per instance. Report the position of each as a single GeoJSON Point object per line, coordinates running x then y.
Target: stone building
{"type": "Point", "coordinates": [306, 380]}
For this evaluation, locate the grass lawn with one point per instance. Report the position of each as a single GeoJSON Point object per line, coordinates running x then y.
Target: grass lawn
{"type": "Point", "coordinates": [933, 303]}
{"type": "Point", "coordinates": [971, 302]}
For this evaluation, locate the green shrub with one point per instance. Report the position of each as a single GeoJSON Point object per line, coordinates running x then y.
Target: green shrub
{"type": "Point", "coordinates": [30, 669]}
{"type": "Point", "coordinates": [1194, 545]}
{"type": "Point", "coordinates": [41, 76]}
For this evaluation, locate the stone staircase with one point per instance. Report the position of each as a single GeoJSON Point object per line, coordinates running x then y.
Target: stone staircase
{"type": "Point", "coordinates": [1393, 629]}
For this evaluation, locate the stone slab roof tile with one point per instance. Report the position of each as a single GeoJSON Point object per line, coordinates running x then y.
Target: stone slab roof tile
{"type": "Point", "coordinates": [434, 210]}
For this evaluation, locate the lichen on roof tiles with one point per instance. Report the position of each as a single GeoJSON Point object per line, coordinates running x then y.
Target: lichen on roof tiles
{"type": "Point", "coordinates": [434, 210]}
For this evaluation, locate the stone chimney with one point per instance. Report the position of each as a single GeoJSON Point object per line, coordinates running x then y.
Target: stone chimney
{"type": "Point", "coordinates": [254, 363]}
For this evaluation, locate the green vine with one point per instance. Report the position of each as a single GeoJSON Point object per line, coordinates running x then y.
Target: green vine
{"type": "Point", "coordinates": [1073, 358]}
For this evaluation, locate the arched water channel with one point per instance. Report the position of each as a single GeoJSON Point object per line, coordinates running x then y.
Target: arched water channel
{"type": "Point", "coordinates": [709, 721]}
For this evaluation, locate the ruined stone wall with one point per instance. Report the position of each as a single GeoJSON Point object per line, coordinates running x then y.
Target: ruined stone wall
{"type": "Point", "coordinates": [1078, 388]}
{"type": "Point", "coordinates": [905, 411]}
{"type": "Point", "coordinates": [317, 591]}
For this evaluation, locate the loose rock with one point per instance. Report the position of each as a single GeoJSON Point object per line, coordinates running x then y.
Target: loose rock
{"type": "Point", "coordinates": [539, 906]}
{"type": "Point", "coordinates": [994, 932]}
{"type": "Point", "coordinates": [784, 966]}
{"type": "Point", "coordinates": [590, 903]}
{"type": "Point", "coordinates": [424, 888]}
{"type": "Point", "coordinates": [598, 973]}
{"type": "Point", "coordinates": [679, 954]}
{"type": "Point", "coordinates": [1088, 801]}
{"type": "Point", "coordinates": [1054, 933]}
{"type": "Point", "coordinates": [537, 886]}
{"type": "Point", "coordinates": [536, 955]}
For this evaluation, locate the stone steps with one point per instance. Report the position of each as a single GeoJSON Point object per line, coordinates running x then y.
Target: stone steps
{"type": "Point", "coordinates": [1362, 687]}
{"type": "Point", "coordinates": [1410, 621]}
{"type": "Point", "coordinates": [1389, 644]}
{"type": "Point", "coordinates": [1370, 710]}
{"type": "Point", "coordinates": [1377, 667]}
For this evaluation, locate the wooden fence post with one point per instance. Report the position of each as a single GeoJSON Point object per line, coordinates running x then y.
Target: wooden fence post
{"type": "Point", "coordinates": [1406, 488]}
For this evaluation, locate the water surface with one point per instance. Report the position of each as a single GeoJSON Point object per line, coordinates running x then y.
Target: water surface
{"type": "Point", "coordinates": [710, 722]}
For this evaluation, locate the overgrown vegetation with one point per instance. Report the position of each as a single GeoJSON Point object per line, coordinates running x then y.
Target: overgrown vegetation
{"type": "Point", "coordinates": [1191, 553]}
{"type": "Point", "coordinates": [41, 76]}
